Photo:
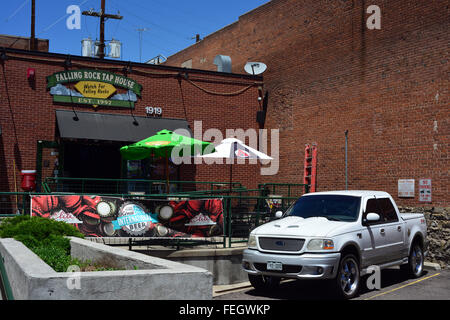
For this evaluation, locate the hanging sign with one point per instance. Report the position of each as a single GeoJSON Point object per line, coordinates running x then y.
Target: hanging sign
{"type": "Point", "coordinates": [93, 87]}
{"type": "Point", "coordinates": [425, 190]}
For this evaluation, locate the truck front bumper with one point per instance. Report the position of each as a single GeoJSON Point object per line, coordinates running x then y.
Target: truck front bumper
{"type": "Point", "coordinates": [304, 266]}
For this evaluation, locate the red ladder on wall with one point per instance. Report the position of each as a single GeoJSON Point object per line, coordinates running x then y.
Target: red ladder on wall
{"type": "Point", "coordinates": [310, 166]}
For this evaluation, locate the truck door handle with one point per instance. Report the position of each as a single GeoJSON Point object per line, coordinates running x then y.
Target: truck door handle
{"type": "Point", "coordinates": [382, 231]}
{"type": "Point", "coordinates": [399, 228]}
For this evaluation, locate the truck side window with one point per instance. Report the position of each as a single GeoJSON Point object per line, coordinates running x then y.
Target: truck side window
{"type": "Point", "coordinates": [372, 206]}
{"type": "Point", "coordinates": [388, 210]}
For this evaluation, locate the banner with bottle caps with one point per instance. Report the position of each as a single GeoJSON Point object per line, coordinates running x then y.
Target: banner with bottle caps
{"type": "Point", "coordinates": [98, 216]}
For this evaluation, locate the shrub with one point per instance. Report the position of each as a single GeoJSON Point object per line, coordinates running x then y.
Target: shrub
{"type": "Point", "coordinates": [55, 256]}
{"type": "Point", "coordinates": [45, 237]}
{"type": "Point", "coordinates": [37, 227]}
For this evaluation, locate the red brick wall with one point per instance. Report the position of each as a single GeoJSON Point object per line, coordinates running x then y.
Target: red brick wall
{"type": "Point", "coordinates": [27, 114]}
{"type": "Point", "coordinates": [327, 73]}
{"type": "Point", "coordinates": [22, 43]}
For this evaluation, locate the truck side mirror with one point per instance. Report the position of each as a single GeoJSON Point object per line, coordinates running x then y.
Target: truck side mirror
{"type": "Point", "coordinates": [372, 217]}
{"type": "Point", "coordinates": [278, 214]}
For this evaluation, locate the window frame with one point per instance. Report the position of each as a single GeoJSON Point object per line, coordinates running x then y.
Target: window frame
{"type": "Point", "coordinates": [385, 214]}
{"type": "Point", "coordinates": [384, 218]}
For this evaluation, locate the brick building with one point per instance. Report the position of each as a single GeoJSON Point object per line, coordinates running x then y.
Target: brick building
{"type": "Point", "coordinates": [24, 43]}
{"type": "Point", "coordinates": [328, 72]}
{"type": "Point", "coordinates": [47, 125]}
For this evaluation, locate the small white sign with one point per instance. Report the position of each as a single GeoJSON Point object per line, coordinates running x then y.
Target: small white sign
{"type": "Point", "coordinates": [425, 190]}
{"type": "Point", "coordinates": [406, 188]}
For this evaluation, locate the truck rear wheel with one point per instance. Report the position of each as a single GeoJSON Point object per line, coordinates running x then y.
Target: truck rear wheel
{"type": "Point", "coordinates": [263, 283]}
{"type": "Point", "coordinates": [415, 261]}
{"type": "Point", "coordinates": [348, 279]}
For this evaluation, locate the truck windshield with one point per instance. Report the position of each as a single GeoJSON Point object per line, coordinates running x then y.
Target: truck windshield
{"type": "Point", "coordinates": [332, 207]}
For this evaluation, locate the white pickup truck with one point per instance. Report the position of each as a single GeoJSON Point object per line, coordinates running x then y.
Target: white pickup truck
{"type": "Point", "coordinates": [336, 235]}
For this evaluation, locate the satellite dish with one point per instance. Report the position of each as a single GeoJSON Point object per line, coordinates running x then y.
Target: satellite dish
{"type": "Point", "coordinates": [255, 67]}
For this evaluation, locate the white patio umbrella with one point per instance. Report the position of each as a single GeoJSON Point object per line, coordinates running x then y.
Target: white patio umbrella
{"type": "Point", "coordinates": [232, 148]}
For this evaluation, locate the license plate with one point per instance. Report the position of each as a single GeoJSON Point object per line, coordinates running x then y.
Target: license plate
{"type": "Point", "coordinates": [275, 266]}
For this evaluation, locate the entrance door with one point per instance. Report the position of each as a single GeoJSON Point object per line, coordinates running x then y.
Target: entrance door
{"type": "Point", "coordinates": [373, 235]}
{"type": "Point", "coordinates": [47, 162]}
{"type": "Point", "coordinates": [93, 164]}
{"type": "Point", "coordinates": [394, 234]}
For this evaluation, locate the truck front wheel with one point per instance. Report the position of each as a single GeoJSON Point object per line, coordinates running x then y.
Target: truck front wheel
{"type": "Point", "coordinates": [263, 283]}
{"type": "Point", "coordinates": [347, 281]}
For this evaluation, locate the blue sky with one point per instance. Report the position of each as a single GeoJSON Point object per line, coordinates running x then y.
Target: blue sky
{"type": "Point", "coordinates": [171, 24]}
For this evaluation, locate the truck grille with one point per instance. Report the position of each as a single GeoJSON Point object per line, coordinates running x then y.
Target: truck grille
{"type": "Point", "coordinates": [281, 244]}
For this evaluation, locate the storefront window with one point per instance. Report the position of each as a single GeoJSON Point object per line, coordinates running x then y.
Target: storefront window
{"type": "Point", "coordinates": [150, 169]}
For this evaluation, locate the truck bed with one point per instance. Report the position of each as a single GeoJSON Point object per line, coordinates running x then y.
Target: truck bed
{"type": "Point", "coordinates": [410, 216]}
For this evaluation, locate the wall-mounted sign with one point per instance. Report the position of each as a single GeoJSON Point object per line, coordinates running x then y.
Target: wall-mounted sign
{"type": "Point", "coordinates": [425, 190]}
{"type": "Point", "coordinates": [153, 111]}
{"type": "Point", "coordinates": [93, 87]}
{"type": "Point", "coordinates": [406, 188]}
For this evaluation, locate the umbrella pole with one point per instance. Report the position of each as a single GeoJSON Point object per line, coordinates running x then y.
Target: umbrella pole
{"type": "Point", "coordinates": [167, 173]}
{"type": "Point", "coordinates": [231, 176]}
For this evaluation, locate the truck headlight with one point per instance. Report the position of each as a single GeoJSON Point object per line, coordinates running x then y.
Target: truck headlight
{"type": "Point", "coordinates": [320, 244]}
{"type": "Point", "coordinates": [252, 241]}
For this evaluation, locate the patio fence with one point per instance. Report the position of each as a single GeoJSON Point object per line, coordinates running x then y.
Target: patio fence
{"type": "Point", "coordinates": [133, 186]}
{"type": "Point", "coordinates": [243, 209]}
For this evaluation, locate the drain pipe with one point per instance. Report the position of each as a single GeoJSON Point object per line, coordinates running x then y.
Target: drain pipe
{"type": "Point", "coordinates": [346, 159]}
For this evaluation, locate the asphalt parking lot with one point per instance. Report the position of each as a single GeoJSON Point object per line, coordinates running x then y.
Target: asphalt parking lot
{"type": "Point", "coordinates": [433, 285]}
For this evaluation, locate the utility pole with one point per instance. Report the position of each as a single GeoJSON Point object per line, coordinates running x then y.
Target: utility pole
{"type": "Point", "coordinates": [103, 16]}
{"type": "Point", "coordinates": [33, 23]}
{"type": "Point", "coordinates": [140, 30]}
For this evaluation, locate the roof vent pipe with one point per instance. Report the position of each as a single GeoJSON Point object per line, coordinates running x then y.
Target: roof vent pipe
{"type": "Point", "coordinates": [223, 63]}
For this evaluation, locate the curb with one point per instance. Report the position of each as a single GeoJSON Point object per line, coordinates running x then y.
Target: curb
{"type": "Point", "coordinates": [431, 266]}
{"type": "Point", "coordinates": [219, 290]}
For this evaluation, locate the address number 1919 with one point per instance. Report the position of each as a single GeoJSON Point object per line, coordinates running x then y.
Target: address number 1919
{"type": "Point", "coordinates": [153, 111]}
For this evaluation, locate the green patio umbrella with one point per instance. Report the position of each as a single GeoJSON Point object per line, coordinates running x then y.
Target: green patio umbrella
{"type": "Point", "coordinates": [161, 145]}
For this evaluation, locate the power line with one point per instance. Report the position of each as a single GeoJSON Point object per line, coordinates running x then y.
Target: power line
{"type": "Point", "coordinates": [155, 45]}
{"type": "Point", "coordinates": [144, 40]}
{"type": "Point", "coordinates": [59, 19]}
{"type": "Point", "coordinates": [185, 17]}
{"type": "Point", "coordinates": [17, 10]}
{"type": "Point", "coordinates": [183, 36]}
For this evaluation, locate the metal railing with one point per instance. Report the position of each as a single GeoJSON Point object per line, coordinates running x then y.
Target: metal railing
{"type": "Point", "coordinates": [14, 203]}
{"type": "Point", "coordinates": [243, 213]}
{"type": "Point", "coordinates": [6, 292]}
{"type": "Point", "coordinates": [134, 186]}
{"type": "Point", "coordinates": [283, 189]}
{"type": "Point", "coordinates": [243, 209]}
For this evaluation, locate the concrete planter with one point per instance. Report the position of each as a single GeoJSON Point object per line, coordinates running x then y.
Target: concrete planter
{"type": "Point", "coordinates": [225, 263]}
{"type": "Point", "coordinates": [146, 277]}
